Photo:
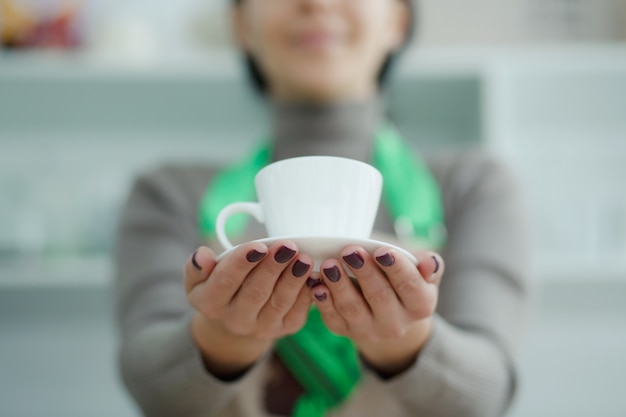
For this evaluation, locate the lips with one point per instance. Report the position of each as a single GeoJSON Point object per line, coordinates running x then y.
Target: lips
{"type": "Point", "coordinates": [317, 40]}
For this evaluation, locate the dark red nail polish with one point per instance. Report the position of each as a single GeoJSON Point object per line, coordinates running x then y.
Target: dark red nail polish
{"type": "Point", "coordinates": [312, 283]}
{"type": "Point", "coordinates": [321, 297]}
{"type": "Point", "coordinates": [255, 256]}
{"type": "Point", "coordinates": [332, 274]}
{"type": "Point", "coordinates": [436, 264]}
{"type": "Point", "coordinates": [355, 260]}
{"type": "Point", "coordinates": [284, 255]}
{"type": "Point", "coordinates": [194, 262]}
{"type": "Point", "coordinates": [386, 259]}
{"type": "Point", "coordinates": [299, 269]}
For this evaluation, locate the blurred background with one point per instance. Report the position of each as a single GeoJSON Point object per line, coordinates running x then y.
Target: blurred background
{"type": "Point", "coordinates": [93, 92]}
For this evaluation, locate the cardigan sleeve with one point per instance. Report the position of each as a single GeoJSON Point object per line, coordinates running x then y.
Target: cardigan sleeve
{"type": "Point", "coordinates": [468, 366]}
{"type": "Point", "coordinates": [160, 364]}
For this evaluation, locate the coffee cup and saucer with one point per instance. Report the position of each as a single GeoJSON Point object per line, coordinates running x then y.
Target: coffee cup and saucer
{"type": "Point", "coordinates": [321, 203]}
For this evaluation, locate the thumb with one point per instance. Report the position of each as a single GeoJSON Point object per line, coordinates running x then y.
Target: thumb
{"type": "Point", "coordinates": [431, 266]}
{"type": "Point", "coordinates": [198, 267]}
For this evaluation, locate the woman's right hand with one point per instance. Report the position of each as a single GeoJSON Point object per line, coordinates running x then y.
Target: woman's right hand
{"type": "Point", "coordinates": [245, 301]}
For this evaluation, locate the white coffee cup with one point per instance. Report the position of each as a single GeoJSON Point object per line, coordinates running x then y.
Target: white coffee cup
{"type": "Point", "coordinates": [312, 196]}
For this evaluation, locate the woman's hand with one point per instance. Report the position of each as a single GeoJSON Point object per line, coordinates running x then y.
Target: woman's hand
{"type": "Point", "coordinates": [251, 297]}
{"type": "Point", "coordinates": [389, 318]}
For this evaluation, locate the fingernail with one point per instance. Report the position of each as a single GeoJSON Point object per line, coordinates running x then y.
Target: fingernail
{"type": "Point", "coordinates": [332, 274]}
{"type": "Point", "coordinates": [299, 269]}
{"type": "Point", "coordinates": [436, 264]}
{"type": "Point", "coordinates": [355, 260]}
{"type": "Point", "coordinates": [284, 254]}
{"type": "Point", "coordinates": [386, 259]}
{"type": "Point", "coordinates": [312, 283]}
{"type": "Point", "coordinates": [194, 262]}
{"type": "Point", "coordinates": [321, 297]}
{"type": "Point", "coordinates": [255, 256]}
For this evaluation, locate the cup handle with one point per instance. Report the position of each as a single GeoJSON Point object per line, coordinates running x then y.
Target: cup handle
{"type": "Point", "coordinates": [253, 209]}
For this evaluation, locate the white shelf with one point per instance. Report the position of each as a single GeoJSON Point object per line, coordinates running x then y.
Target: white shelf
{"type": "Point", "coordinates": [483, 61]}
{"type": "Point", "coordinates": [97, 272]}
{"type": "Point", "coordinates": [93, 271]}
{"type": "Point", "coordinates": [225, 63]}
{"type": "Point", "coordinates": [571, 269]}
{"type": "Point", "coordinates": [216, 65]}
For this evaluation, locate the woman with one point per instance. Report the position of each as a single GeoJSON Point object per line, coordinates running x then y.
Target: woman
{"type": "Point", "coordinates": [211, 343]}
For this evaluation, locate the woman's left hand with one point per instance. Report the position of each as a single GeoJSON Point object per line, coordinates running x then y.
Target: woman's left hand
{"type": "Point", "coordinates": [389, 318]}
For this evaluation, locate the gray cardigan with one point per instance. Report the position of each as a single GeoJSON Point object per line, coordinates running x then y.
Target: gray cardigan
{"type": "Point", "coordinates": [465, 369]}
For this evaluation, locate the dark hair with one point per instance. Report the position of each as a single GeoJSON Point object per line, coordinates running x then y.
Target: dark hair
{"type": "Point", "coordinates": [259, 83]}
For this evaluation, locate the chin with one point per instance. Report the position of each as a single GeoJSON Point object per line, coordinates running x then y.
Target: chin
{"type": "Point", "coordinates": [321, 86]}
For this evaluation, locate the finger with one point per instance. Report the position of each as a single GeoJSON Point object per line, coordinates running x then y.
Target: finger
{"type": "Point", "coordinates": [198, 267]}
{"type": "Point", "coordinates": [286, 291]}
{"type": "Point", "coordinates": [230, 272]}
{"type": "Point", "coordinates": [314, 280]}
{"type": "Point", "coordinates": [416, 294]}
{"type": "Point", "coordinates": [431, 266]}
{"type": "Point", "coordinates": [323, 300]}
{"type": "Point", "coordinates": [376, 288]}
{"type": "Point", "coordinates": [299, 312]}
{"type": "Point", "coordinates": [258, 286]}
{"type": "Point", "coordinates": [347, 300]}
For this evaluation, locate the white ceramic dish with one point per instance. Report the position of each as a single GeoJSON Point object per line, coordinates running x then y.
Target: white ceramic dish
{"type": "Point", "coordinates": [320, 248]}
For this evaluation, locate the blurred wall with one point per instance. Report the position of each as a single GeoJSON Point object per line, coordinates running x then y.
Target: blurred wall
{"type": "Point", "coordinates": [541, 84]}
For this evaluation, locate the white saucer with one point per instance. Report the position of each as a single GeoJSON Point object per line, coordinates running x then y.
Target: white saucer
{"type": "Point", "coordinates": [321, 248]}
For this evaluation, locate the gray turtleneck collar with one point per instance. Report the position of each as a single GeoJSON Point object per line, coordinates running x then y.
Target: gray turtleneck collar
{"type": "Point", "coordinates": [345, 129]}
